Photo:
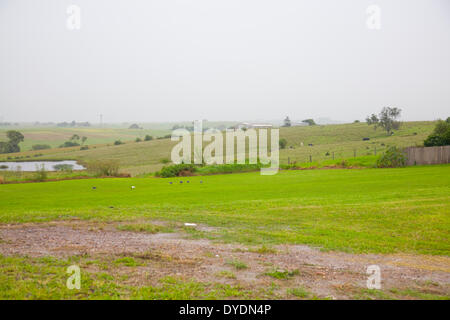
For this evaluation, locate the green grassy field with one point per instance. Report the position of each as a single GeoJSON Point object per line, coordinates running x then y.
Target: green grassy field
{"type": "Point", "coordinates": [367, 210]}
{"type": "Point", "coordinates": [401, 212]}
{"type": "Point", "coordinates": [342, 141]}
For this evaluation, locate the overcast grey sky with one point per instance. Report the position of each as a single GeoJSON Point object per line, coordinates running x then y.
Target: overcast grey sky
{"type": "Point", "coordinates": [168, 60]}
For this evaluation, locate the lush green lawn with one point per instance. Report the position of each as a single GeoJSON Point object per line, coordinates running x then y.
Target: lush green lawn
{"type": "Point", "coordinates": [368, 210]}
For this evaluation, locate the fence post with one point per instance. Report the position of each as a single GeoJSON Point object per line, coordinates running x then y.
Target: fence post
{"type": "Point", "coordinates": [310, 158]}
{"type": "Point", "coordinates": [375, 150]}
{"type": "Point", "coordinates": [333, 155]}
{"type": "Point", "coordinates": [289, 160]}
{"type": "Point", "coordinates": [354, 153]}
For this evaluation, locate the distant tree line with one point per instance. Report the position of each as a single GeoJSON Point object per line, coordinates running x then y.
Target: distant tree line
{"type": "Point", "coordinates": [73, 124]}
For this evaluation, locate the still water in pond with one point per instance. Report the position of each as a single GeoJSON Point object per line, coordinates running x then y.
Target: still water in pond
{"type": "Point", "coordinates": [37, 165]}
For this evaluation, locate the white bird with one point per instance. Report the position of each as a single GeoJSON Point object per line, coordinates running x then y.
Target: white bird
{"type": "Point", "coordinates": [132, 187]}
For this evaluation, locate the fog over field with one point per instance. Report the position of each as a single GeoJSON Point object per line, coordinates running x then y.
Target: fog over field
{"type": "Point", "coordinates": [222, 60]}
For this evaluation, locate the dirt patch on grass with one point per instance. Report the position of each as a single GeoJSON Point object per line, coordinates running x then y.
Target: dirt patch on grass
{"type": "Point", "coordinates": [322, 274]}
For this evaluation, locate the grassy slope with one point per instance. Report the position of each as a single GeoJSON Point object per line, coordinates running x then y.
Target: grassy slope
{"type": "Point", "coordinates": [369, 210]}
{"type": "Point", "coordinates": [144, 157]}
{"type": "Point", "coordinates": [344, 139]}
{"type": "Point", "coordinates": [55, 136]}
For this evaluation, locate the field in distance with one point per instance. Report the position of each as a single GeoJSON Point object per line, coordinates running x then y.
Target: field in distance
{"type": "Point", "coordinates": [328, 141]}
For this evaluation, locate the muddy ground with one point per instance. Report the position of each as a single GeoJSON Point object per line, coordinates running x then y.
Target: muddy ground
{"type": "Point", "coordinates": [333, 275]}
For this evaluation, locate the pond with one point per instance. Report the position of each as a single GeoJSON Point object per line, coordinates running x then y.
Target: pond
{"type": "Point", "coordinates": [37, 165]}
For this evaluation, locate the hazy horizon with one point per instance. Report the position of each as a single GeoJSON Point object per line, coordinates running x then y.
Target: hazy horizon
{"type": "Point", "coordinates": [174, 61]}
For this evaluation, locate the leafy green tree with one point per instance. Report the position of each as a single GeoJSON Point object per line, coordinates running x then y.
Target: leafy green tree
{"type": "Point", "coordinates": [388, 119]}
{"type": "Point", "coordinates": [373, 120]}
{"type": "Point", "coordinates": [310, 122]}
{"type": "Point", "coordinates": [440, 135]}
{"type": "Point", "coordinates": [15, 137]}
{"type": "Point", "coordinates": [282, 143]}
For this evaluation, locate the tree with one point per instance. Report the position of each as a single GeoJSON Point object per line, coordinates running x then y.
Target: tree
{"type": "Point", "coordinates": [373, 119]}
{"type": "Point", "coordinates": [287, 122]}
{"type": "Point", "coordinates": [283, 143]}
{"type": "Point", "coordinates": [440, 135]}
{"type": "Point", "coordinates": [134, 126]}
{"type": "Point", "coordinates": [15, 137]}
{"type": "Point", "coordinates": [310, 122]}
{"type": "Point", "coordinates": [148, 137]}
{"type": "Point", "coordinates": [388, 119]}
{"type": "Point", "coordinates": [9, 147]}
{"type": "Point", "coordinates": [83, 140]}
{"type": "Point", "coordinates": [75, 137]}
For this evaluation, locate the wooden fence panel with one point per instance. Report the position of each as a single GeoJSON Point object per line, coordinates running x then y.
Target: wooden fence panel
{"type": "Point", "coordinates": [427, 155]}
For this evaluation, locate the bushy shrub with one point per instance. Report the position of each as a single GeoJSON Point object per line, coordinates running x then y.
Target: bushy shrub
{"type": "Point", "coordinates": [40, 147]}
{"type": "Point", "coordinates": [434, 140]}
{"type": "Point", "coordinates": [68, 144]}
{"type": "Point", "coordinates": [344, 163]}
{"type": "Point", "coordinates": [63, 167]}
{"type": "Point", "coordinates": [177, 170]}
{"type": "Point", "coordinates": [118, 142]}
{"type": "Point", "coordinates": [392, 158]}
{"type": "Point", "coordinates": [104, 167]}
{"type": "Point", "coordinates": [148, 137]}
{"type": "Point", "coordinates": [84, 148]}
{"type": "Point", "coordinates": [283, 143]}
{"type": "Point", "coordinates": [229, 168]}
{"type": "Point", "coordinates": [138, 140]}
